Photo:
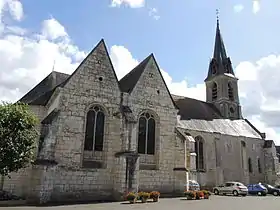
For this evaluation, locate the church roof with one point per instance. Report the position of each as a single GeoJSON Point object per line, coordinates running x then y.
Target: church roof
{"type": "Point", "coordinates": [42, 92]}
{"type": "Point", "coordinates": [190, 108]}
{"type": "Point", "coordinates": [223, 126]}
{"type": "Point", "coordinates": [128, 82]}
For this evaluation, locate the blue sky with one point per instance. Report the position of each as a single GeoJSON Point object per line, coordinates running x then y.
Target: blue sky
{"type": "Point", "coordinates": [182, 39]}
{"type": "Point", "coordinates": [34, 34]}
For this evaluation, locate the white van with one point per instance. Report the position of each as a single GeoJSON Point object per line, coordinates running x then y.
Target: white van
{"type": "Point", "coordinates": [193, 185]}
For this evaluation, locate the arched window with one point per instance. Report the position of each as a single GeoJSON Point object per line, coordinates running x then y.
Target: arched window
{"type": "Point", "coordinates": [250, 165]}
{"type": "Point", "coordinates": [230, 92]}
{"type": "Point", "coordinates": [146, 134]}
{"type": "Point", "coordinates": [199, 153]}
{"type": "Point", "coordinates": [214, 91]}
{"type": "Point", "coordinates": [95, 122]}
{"type": "Point", "coordinates": [259, 165]}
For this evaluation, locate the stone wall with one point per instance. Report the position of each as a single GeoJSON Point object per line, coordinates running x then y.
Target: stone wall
{"type": "Point", "coordinates": [223, 159]}
{"type": "Point", "coordinates": [151, 94]}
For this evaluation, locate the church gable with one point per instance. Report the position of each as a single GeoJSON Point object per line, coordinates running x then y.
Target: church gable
{"type": "Point", "coordinates": [150, 85]}
{"type": "Point", "coordinates": [95, 73]}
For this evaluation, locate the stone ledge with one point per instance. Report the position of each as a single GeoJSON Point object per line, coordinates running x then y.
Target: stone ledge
{"type": "Point", "coordinates": [12, 203]}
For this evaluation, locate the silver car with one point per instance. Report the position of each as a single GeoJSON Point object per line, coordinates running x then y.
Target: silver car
{"type": "Point", "coordinates": [233, 188]}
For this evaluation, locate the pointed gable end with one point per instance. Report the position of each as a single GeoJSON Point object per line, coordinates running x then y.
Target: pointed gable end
{"type": "Point", "coordinates": [146, 76]}
{"type": "Point", "coordinates": [96, 67]}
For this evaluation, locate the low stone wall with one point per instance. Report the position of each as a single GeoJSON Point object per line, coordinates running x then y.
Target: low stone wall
{"type": "Point", "coordinates": [56, 184]}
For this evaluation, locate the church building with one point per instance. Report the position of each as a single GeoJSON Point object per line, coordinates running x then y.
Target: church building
{"type": "Point", "coordinates": [101, 137]}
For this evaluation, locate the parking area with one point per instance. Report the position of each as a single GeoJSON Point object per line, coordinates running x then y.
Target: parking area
{"type": "Point", "coordinates": [215, 202]}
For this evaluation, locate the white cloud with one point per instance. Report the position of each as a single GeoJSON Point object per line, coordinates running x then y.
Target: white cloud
{"type": "Point", "coordinates": [238, 8]}
{"type": "Point", "coordinates": [130, 3]}
{"type": "Point", "coordinates": [153, 12]}
{"type": "Point", "coordinates": [15, 8]}
{"type": "Point", "coordinates": [256, 6]}
{"type": "Point", "coordinates": [52, 29]}
{"type": "Point", "coordinates": [26, 59]}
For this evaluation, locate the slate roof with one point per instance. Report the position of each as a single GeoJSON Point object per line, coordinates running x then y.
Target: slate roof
{"type": "Point", "coordinates": [222, 126]}
{"type": "Point", "coordinates": [220, 56]}
{"type": "Point", "coordinates": [41, 93]}
{"type": "Point", "coordinates": [128, 82]}
{"type": "Point", "coordinates": [190, 108]}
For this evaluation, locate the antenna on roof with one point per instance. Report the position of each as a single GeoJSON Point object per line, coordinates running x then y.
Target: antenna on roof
{"type": "Point", "coordinates": [53, 65]}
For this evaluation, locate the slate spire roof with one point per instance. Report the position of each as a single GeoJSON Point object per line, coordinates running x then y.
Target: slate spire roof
{"type": "Point", "coordinates": [220, 62]}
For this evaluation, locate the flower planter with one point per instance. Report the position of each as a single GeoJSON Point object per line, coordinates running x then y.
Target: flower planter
{"type": "Point", "coordinates": [144, 200]}
{"type": "Point", "coordinates": [189, 197]}
{"type": "Point", "coordinates": [206, 196]}
{"type": "Point", "coordinates": [132, 201]}
{"type": "Point", "coordinates": [155, 199]}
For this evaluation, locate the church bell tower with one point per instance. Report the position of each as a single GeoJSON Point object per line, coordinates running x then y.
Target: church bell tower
{"type": "Point", "coordinates": [221, 83]}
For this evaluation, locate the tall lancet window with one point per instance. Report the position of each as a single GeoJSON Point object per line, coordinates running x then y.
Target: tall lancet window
{"type": "Point", "coordinates": [94, 137]}
{"type": "Point", "coordinates": [199, 150]}
{"type": "Point", "coordinates": [146, 134]}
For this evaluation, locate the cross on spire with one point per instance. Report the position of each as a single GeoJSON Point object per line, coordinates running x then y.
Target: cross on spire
{"type": "Point", "coordinates": [217, 15]}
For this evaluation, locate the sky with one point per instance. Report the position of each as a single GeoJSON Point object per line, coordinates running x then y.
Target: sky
{"type": "Point", "coordinates": [37, 37]}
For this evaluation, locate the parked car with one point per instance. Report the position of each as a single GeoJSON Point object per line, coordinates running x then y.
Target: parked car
{"type": "Point", "coordinates": [257, 189]}
{"type": "Point", "coordinates": [234, 188]}
{"type": "Point", "coordinates": [272, 190]}
{"type": "Point", "coordinates": [193, 185]}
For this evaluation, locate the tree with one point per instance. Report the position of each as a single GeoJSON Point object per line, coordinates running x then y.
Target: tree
{"type": "Point", "coordinates": [17, 137]}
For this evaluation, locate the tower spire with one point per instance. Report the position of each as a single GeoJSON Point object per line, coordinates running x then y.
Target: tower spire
{"type": "Point", "coordinates": [220, 62]}
{"type": "Point", "coordinates": [221, 84]}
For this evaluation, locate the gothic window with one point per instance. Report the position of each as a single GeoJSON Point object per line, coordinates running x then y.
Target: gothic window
{"type": "Point", "coordinates": [94, 137]}
{"type": "Point", "coordinates": [230, 92]}
{"type": "Point", "coordinates": [250, 165]}
{"type": "Point", "coordinates": [199, 153]}
{"type": "Point", "coordinates": [214, 91]}
{"type": "Point", "coordinates": [243, 154]}
{"type": "Point", "coordinates": [146, 134]}
{"type": "Point", "coordinates": [259, 165]}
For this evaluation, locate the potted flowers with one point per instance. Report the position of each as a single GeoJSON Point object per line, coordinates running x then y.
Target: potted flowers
{"type": "Point", "coordinates": [154, 195]}
{"type": "Point", "coordinates": [131, 197]}
{"type": "Point", "coordinates": [143, 196]}
{"type": "Point", "coordinates": [199, 195]}
{"type": "Point", "coordinates": [190, 195]}
{"type": "Point", "coordinates": [206, 194]}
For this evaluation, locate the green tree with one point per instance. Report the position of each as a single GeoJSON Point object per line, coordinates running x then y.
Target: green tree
{"type": "Point", "coordinates": [17, 137]}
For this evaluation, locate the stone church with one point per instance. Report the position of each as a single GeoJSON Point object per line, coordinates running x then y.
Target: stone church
{"type": "Point", "coordinates": [101, 137]}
